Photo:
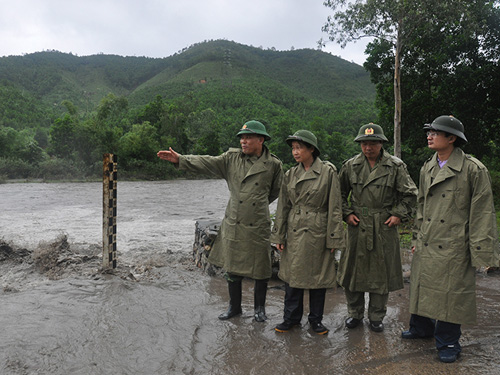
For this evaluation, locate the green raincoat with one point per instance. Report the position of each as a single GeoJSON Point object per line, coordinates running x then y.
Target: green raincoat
{"type": "Point", "coordinates": [455, 232]}
{"type": "Point", "coordinates": [372, 260]}
{"type": "Point", "coordinates": [242, 246]}
{"type": "Point", "coordinates": [309, 224]}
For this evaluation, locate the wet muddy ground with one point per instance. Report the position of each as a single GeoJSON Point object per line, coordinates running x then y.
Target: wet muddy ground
{"type": "Point", "coordinates": [156, 313]}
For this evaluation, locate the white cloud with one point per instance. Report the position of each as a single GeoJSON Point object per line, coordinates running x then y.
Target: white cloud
{"type": "Point", "coordinates": [159, 28]}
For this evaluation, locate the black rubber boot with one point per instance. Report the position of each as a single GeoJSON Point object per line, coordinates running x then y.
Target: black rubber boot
{"type": "Point", "coordinates": [260, 291]}
{"type": "Point", "coordinates": [234, 300]}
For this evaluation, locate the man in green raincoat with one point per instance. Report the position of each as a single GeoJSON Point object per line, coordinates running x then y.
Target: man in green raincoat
{"type": "Point", "coordinates": [455, 233]}
{"type": "Point", "coordinates": [377, 194]}
{"type": "Point", "coordinates": [242, 247]}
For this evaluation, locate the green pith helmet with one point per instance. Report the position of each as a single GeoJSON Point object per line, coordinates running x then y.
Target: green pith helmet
{"type": "Point", "coordinates": [254, 127]}
{"type": "Point", "coordinates": [370, 132]}
{"type": "Point", "coordinates": [448, 124]}
{"type": "Point", "coordinates": [304, 136]}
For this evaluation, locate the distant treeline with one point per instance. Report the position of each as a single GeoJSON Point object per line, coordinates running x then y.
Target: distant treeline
{"type": "Point", "coordinates": [72, 146]}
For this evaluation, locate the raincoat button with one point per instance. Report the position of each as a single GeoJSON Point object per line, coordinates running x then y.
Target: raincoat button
{"type": "Point", "coordinates": [426, 244]}
{"type": "Point", "coordinates": [440, 246]}
{"type": "Point", "coordinates": [444, 195]}
{"type": "Point", "coordinates": [479, 247]}
{"type": "Point", "coordinates": [241, 201]}
{"type": "Point", "coordinates": [442, 220]}
{"type": "Point", "coordinates": [256, 183]}
{"type": "Point", "coordinates": [295, 230]}
{"type": "Point", "coordinates": [429, 219]}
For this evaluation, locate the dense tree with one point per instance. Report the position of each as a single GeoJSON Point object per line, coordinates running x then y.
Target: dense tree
{"type": "Point", "coordinates": [203, 132]}
{"type": "Point", "coordinates": [112, 109]}
{"type": "Point", "coordinates": [448, 68]}
{"type": "Point", "coordinates": [62, 137]}
{"type": "Point", "coordinates": [281, 130]}
{"type": "Point", "coordinates": [27, 148]}
{"type": "Point", "coordinates": [397, 23]}
{"type": "Point", "coordinates": [141, 143]}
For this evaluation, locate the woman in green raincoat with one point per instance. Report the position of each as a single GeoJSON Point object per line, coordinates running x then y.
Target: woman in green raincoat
{"type": "Point", "coordinates": [307, 230]}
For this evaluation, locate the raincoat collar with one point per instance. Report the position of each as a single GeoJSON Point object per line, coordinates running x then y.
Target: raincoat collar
{"type": "Point", "coordinates": [453, 166]}
{"type": "Point", "coordinates": [312, 173]}
{"type": "Point", "coordinates": [260, 164]}
{"type": "Point", "coordinates": [359, 164]}
{"type": "Point", "coordinates": [455, 161]}
{"type": "Point", "coordinates": [316, 166]}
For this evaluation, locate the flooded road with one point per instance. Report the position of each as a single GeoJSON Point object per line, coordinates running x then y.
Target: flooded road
{"type": "Point", "coordinates": [157, 313]}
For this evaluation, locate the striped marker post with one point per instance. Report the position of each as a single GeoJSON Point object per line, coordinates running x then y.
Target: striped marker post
{"type": "Point", "coordinates": [109, 211]}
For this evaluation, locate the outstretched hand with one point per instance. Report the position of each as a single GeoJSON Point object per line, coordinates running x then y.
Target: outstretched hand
{"type": "Point", "coordinates": [169, 155]}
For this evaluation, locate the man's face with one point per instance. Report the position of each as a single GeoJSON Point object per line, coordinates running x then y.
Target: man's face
{"type": "Point", "coordinates": [251, 144]}
{"type": "Point", "coordinates": [371, 149]}
{"type": "Point", "coordinates": [438, 141]}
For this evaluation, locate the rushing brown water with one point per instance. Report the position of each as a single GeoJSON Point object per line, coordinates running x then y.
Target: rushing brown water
{"type": "Point", "coordinates": [157, 313]}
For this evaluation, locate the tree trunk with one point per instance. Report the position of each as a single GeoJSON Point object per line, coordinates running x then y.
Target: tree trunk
{"type": "Point", "coordinates": [397, 98]}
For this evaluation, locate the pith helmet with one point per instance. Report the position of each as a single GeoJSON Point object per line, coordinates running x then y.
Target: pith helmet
{"type": "Point", "coordinates": [254, 127]}
{"type": "Point", "coordinates": [370, 132]}
{"type": "Point", "coordinates": [448, 124]}
{"type": "Point", "coordinates": [304, 136]}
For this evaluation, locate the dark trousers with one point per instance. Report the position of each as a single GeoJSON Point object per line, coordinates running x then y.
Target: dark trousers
{"type": "Point", "coordinates": [260, 289]}
{"type": "Point", "coordinates": [446, 334]}
{"type": "Point", "coordinates": [377, 305]}
{"type": "Point", "coordinates": [294, 304]}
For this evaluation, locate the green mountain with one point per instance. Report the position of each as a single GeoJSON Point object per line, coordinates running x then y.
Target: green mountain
{"type": "Point", "coordinates": [51, 77]}
{"type": "Point", "coordinates": [58, 108]}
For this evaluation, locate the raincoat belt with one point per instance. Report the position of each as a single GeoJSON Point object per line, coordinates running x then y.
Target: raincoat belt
{"type": "Point", "coordinates": [371, 221]}
{"type": "Point", "coordinates": [299, 209]}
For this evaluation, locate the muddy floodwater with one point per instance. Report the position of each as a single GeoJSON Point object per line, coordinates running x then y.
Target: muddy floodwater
{"type": "Point", "coordinates": [60, 313]}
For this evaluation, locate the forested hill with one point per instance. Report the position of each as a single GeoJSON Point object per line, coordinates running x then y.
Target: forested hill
{"type": "Point", "coordinates": [53, 76]}
{"type": "Point", "coordinates": [60, 112]}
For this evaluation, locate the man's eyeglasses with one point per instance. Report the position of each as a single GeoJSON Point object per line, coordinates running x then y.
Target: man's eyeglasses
{"type": "Point", "coordinates": [432, 134]}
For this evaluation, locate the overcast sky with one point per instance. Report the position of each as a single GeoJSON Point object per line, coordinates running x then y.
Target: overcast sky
{"type": "Point", "coordinates": [159, 28]}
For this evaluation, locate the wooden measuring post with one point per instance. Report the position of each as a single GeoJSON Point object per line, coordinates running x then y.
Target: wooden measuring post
{"type": "Point", "coordinates": [109, 211]}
